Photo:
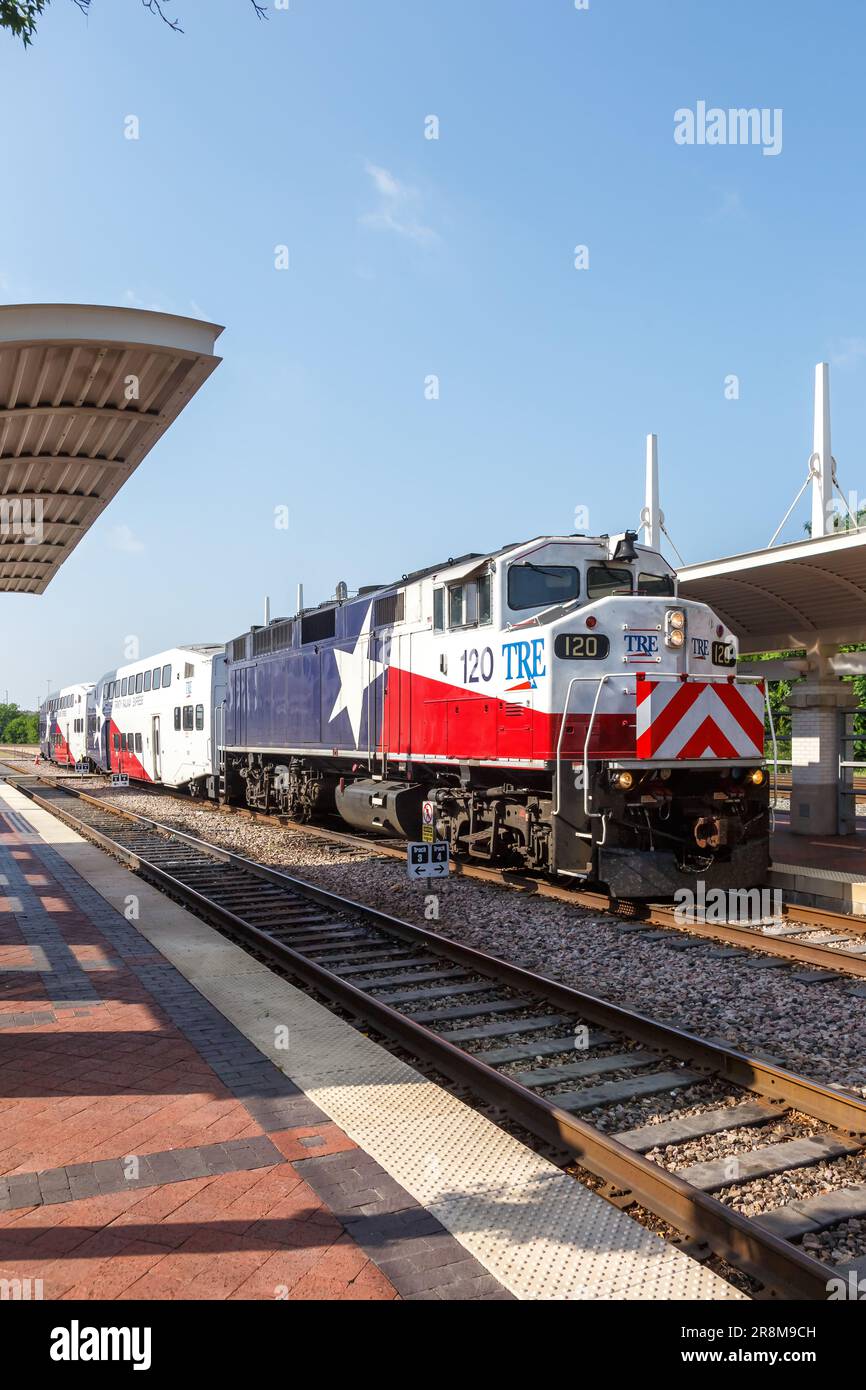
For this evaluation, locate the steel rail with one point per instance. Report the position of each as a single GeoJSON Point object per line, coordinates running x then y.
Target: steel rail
{"type": "Point", "coordinates": [841, 962]}
{"type": "Point", "coordinates": [784, 1268]}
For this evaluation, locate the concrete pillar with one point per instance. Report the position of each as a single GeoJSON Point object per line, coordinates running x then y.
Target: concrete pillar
{"type": "Point", "coordinates": [816, 705]}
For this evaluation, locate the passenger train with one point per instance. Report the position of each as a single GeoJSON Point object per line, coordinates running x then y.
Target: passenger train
{"type": "Point", "coordinates": [553, 705]}
{"type": "Point", "coordinates": [63, 724]}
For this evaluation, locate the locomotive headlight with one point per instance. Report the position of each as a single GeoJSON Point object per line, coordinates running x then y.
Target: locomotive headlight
{"type": "Point", "coordinates": [757, 776]}
{"type": "Point", "coordinates": [624, 780]}
{"type": "Point", "coordinates": [675, 628]}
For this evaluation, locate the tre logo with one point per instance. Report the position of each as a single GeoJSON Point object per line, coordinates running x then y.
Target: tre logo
{"type": "Point", "coordinates": [647, 644]}
{"type": "Point", "coordinates": [524, 662]}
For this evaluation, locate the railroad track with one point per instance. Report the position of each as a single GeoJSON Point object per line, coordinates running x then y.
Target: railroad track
{"type": "Point", "coordinates": [559, 1062]}
{"type": "Point", "coordinates": [838, 951]}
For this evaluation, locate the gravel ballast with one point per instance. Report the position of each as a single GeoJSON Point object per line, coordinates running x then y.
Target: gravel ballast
{"type": "Point", "coordinates": [813, 1029]}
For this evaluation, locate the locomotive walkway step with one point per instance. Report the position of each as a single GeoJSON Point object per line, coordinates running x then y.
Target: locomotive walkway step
{"type": "Point", "coordinates": [761, 1163]}
{"type": "Point", "coordinates": [678, 1131]}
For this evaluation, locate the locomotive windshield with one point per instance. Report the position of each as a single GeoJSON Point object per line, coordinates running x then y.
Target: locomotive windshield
{"type": "Point", "coordinates": [604, 580]}
{"type": "Point", "coordinates": [661, 585]}
{"type": "Point", "coordinates": [541, 586]}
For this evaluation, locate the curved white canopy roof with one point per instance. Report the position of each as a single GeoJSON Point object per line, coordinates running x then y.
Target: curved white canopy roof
{"type": "Point", "coordinates": [85, 392]}
{"type": "Point", "coordinates": [791, 596]}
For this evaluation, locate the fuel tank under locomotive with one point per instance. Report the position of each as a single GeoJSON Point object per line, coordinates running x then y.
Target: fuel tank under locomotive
{"type": "Point", "coordinates": [392, 808]}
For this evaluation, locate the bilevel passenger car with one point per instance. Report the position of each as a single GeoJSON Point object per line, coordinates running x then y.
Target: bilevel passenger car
{"type": "Point", "coordinates": [553, 705]}
{"type": "Point", "coordinates": [154, 718]}
{"type": "Point", "coordinates": [63, 725]}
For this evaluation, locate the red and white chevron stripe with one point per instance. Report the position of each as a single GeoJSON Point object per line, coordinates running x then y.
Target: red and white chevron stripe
{"type": "Point", "coordinates": [678, 720]}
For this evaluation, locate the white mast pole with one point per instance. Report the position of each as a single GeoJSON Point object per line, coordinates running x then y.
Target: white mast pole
{"type": "Point", "coordinates": [821, 462]}
{"type": "Point", "coordinates": [651, 514]}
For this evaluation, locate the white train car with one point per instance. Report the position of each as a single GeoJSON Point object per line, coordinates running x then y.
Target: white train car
{"type": "Point", "coordinates": [63, 725]}
{"type": "Point", "coordinates": [153, 719]}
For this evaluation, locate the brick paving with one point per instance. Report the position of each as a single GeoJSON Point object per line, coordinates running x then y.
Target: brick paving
{"type": "Point", "coordinates": [149, 1150]}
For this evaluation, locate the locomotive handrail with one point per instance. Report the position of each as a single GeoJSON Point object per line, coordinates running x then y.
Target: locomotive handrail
{"type": "Point", "coordinates": [571, 684]}
{"type": "Point", "coordinates": [656, 675]}
{"type": "Point", "coordinates": [775, 756]}
{"type": "Point", "coordinates": [601, 682]}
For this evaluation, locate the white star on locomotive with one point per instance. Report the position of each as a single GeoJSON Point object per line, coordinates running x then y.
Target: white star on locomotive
{"type": "Point", "coordinates": [357, 671]}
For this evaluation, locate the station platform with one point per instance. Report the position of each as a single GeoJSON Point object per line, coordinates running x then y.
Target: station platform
{"type": "Point", "coordinates": [820, 870]}
{"type": "Point", "coordinates": [159, 1139]}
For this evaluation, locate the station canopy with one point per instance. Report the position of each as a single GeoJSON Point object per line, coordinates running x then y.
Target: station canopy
{"type": "Point", "coordinates": [794, 595]}
{"type": "Point", "coordinates": [85, 393]}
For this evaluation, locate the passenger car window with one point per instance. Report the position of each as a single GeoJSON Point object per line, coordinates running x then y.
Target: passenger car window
{"type": "Point", "coordinates": [177, 716]}
{"type": "Point", "coordinates": [139, 681]}
{"type": "Point", "coordinates": [138, 743]}
{"type": "Point", "coordinates": [146, 681]}
{"type": "Point", "coordinates": [662, 584]}
{"type": "Point", "coordinates": [123, 685]}
{"type": "Point", "coordinates": [187, 716]}
{"type": "Point", "coordinates": [199, 717]}
{"type": "Point", "coordinates": [166, 676]}
{"type": "Point", "coordinates": [156, 678]}
{"type": "Point", "coordinates": [117, 743]}
{"type": "Point", "coordinates": [541, 586]}
{"type": "Point", "coordinates": [604, 580]}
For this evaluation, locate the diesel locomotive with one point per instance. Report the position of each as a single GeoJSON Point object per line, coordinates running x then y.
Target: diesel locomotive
{"type": "Point", "coordinates": [553, 705]}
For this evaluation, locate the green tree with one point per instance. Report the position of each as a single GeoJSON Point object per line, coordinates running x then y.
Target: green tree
{"type": "Point", "coordinates": [20, 17]}
{"type": "Point", "coordinates": [24, 728]}
{"type": "Point", "coordinates": [7, 712]}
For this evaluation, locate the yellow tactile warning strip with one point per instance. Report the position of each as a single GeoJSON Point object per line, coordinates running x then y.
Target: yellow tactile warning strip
{"type": "Point", "coordinates": [540, 1233]}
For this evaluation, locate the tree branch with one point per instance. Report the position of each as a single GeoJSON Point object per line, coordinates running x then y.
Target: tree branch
{"type": "Point", "coordinates": [156, 8]}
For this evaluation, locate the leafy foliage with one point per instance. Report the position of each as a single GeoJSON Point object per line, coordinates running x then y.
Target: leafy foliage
{"type": "Point", "coordinates": [17, 725]}
{"type": "Point", "coordinates": [20, 16]}
{"type": "Point", "coordinates": [24, 728]}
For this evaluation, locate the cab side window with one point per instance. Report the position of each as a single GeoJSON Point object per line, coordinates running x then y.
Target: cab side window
{"type": "Point", "coordinates": [438, 610]}
{"type": "Point", "coordinates": [603, 580]}
{"type": "Point", "coordinates": [659, 584]}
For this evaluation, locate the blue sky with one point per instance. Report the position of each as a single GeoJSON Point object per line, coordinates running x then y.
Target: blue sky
{"type": "Point", "coordinates": [455, 257]}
